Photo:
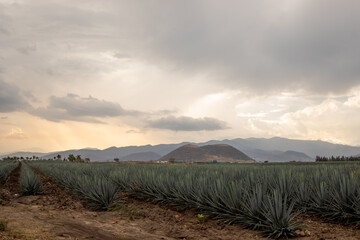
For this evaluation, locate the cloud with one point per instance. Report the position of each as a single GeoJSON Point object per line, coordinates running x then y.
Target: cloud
{"type": "Point", "coordinates": [16, 133]}
{"type": "Point", "coordinates": [75, 108]}
{"type": "Point", "coordinates": [183, 55]}
{"type": "Point", "coordinates": [122, 56]}
{"type": "Point", "coordinates": [133, 131]}
{"type": "Point", "coordinates": [26, 50]}
{"type": "Point", "coordinates": [258, 46]}
{"type": "Point", "coordinates": [331, 120]}
{"type": "Point", "coordinates": [11, 98]}
{"type": "Point", "coordinates": [187, 124]}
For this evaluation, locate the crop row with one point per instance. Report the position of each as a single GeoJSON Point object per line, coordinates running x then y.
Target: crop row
{"type": "Point", "coordinates": [5, 168]}
{"type": "Point", "coordinates": [30, 183]}
{"type": "Point", "coordinates": [90, 183]}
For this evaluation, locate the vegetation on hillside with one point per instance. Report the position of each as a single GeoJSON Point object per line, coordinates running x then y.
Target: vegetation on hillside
{"type": "Point", "coordinates": [337, 159]}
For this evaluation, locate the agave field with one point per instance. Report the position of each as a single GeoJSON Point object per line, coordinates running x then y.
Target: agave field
{"type": "Point", "coordinates": [263, 197]}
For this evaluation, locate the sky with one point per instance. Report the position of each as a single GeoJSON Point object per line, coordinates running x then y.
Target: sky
{"type": "Point", "coordinates": [77, 74]}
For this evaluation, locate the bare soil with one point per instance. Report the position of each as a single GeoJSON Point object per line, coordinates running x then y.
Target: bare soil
{"type": "Point", "coordinates": [56, 214]}
{"type": "Point", "coordinates": [10, 188]}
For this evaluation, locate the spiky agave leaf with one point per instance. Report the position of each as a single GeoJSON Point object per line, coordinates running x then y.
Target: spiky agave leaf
{"type": "Point", "coordinates": [344, 204]}
{"type": "Point", "coordinates": [254, 208]}
{"type": "Point", "coordinates": [279, 221]}
{"type": "Point", "coordinates": [100, 193]}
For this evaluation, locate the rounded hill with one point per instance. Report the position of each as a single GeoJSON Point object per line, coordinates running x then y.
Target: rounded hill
{"type": "Point", "coordinates": [207, 153]}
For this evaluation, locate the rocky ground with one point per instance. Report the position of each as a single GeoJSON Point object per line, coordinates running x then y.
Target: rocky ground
{"type": "Point", "coordinates": [55, 214]}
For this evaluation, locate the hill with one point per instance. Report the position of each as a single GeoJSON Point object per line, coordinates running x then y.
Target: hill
{"type": "Point", "coordinates": [142, 156]}
{"type": "Point", "coordinates": [279, 156]}
{"type": "Point", "coordinates": [207, 153]}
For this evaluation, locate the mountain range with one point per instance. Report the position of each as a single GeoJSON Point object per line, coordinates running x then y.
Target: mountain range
{"type": "Point", "coordinates": [274, 149]}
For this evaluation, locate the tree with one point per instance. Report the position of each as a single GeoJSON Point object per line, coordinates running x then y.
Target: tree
{"type": "Point", "coordinates": [116, 159]}
{"type": "Point", "coordinates": [87, 160]}
{"type": "Point", "coordinates": [71, 158]}
{"type": "Point", "coordinates": [58, 157]}
{"type": "Point", "coordinates": [78, 158]}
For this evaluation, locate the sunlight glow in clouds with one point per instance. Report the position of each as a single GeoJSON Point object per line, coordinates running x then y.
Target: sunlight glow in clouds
{"type": "Point", "coordinates": [104, 73]}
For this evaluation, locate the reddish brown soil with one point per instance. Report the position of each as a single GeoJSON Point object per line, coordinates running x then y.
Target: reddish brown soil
{"type": "Point", "coordinates": [54, 196]}
{"type": "Point", "coordinates": [10, 188]}
{"type": "Point", "coordinates": [55, 214]}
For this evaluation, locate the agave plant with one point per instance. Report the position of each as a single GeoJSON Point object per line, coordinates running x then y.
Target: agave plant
{"type": "Point", "coordinates": [99, 193]}
{"type": "Point", "coordinates": [30, 183]}
{"type": "Point", "coordinates": [279, 217]}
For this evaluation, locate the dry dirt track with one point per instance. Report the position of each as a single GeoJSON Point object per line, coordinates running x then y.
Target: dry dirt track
{"type": "Point", "coordinates": [58, 215]}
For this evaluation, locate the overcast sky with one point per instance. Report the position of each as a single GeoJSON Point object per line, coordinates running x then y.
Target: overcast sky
{"type": "Point", "coordinates": [77, 74]}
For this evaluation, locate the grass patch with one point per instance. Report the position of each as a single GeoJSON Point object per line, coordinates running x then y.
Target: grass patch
{"type": "Point", "coordinates": [3, 225]}
{"type": "Point", "coordinates": [130, 211]}
{"type": "Point", "coordinates": [201, 218]}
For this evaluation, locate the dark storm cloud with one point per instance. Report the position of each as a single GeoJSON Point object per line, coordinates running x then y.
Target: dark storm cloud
{"type": "Point", "coordinates": [76, 108]}
{"type": "Point", "coordinates": [3, 30]}
{"type": "Point", "coordinates": [256, 45]}
{"type": "Point", "coordinates": [26, 50]}
{"type": "Point", "coordinates": [187, 124]}
{"type": "Point", "coordinates": [259, 46]}
{"type": "Point", "coordinates": [11, 98]}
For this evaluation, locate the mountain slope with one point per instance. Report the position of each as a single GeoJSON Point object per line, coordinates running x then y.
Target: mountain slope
{"type": "Point", "coordinates": [207, 153]}
{"type": "Point", "coordinates": [309, 147]}
{"type": "Point", "coordinates": [109, 154]}
{"type": "Point", "coordinates": [279, 156]}
{"type": "Point", "coordinates": [142, 156]}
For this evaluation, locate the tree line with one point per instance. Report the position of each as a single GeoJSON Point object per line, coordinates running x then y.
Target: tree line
{"type": "Point", "coordinates": [337, 159]}
{"type": "Point", "coordinates": [70, 158]}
